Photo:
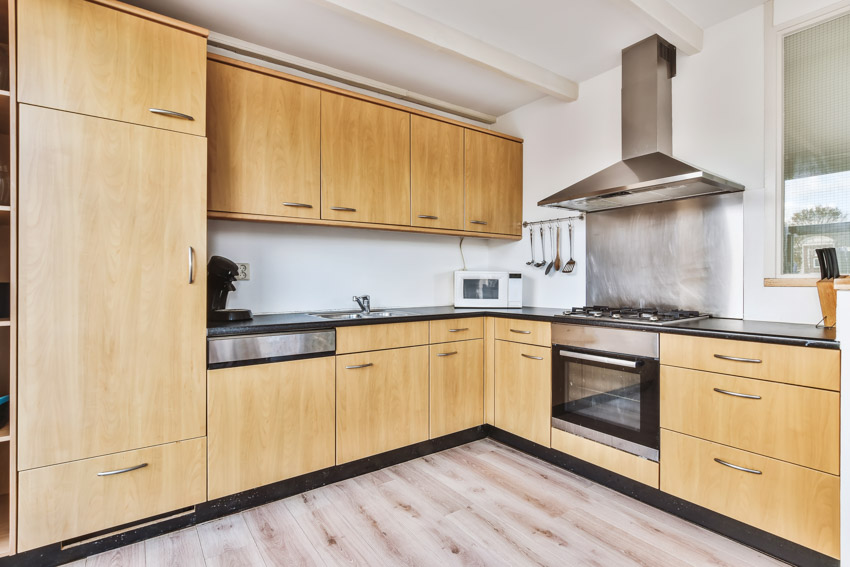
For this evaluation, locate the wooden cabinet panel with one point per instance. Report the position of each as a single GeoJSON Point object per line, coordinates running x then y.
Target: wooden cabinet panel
{"type": "Point", "coordinates": [791, 423]}
{"type": "Point", "coordinates": [112, 329]}
{"type": "Point", "coordinates": [522, 331]}
{"type": "Point", "coordinates": [489, 370]}
{"type": "Point", "coordinates": [382, 401]}
{"type": "Point", "coordinates": [365, 161]}
{"type": "Point", "coordinates": [269, 422]}
{"type": "Point", "coordinates": [787, 500]}
{"type": "Point", "coordinates": [376, 337]}
{"type": "Point", "coordinates": [524, 391]}
{"type": "Point", "coordinates": [457, 386]}
{"type": "Point", "coordinates": [263, 144]}
{"type": "Point", "coordinates": [436, 173]}
{"type": "Point", "coordinates": [620, 462]}
{"type": "Point", "coordinates": [450, 330]}
{"type": "Point", "coordinates": [87, 58]}
{"type": "Point", "coordinates": [70, 500]}
{"type": "Point", "coordinates": [803, 366]}
{"type": "Point", "coordinates": [493, 172]}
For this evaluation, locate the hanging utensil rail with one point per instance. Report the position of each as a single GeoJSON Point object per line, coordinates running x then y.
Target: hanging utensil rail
{"type": "Point", "coordinates": [553, 221]}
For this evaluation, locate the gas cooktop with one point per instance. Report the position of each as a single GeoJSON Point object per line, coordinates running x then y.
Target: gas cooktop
{"type": "Point", "coordinates": [635, 315]}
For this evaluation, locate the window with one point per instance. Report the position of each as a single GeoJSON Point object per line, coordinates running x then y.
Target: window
{"type": "Point", "coordinates": [816, 145]}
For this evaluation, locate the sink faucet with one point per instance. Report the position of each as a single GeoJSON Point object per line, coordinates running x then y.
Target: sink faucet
{"type": "Point", "coordinates": [363, 302]}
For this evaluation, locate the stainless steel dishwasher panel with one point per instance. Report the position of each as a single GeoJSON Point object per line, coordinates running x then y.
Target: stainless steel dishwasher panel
{"type": "Point", "coordinates": [271, 347]}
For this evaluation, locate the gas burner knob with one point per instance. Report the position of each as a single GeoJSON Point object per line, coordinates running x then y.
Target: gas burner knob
{"type": "Point", "coordinates": [653, 317]}
{"type": "Point", "coordinates": [597, 314]}
{"type": "Point", "coordinates": [616, 316]}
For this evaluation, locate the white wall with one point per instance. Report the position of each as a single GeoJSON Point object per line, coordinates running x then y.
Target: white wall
{"type": "Point", "coordinates": [718, 124]}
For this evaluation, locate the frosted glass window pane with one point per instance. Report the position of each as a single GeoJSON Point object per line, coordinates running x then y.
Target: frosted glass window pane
{"type": "Point", "coordinates": [816, 144]}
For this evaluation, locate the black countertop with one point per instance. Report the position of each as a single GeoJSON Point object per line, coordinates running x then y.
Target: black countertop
{"type": "Point", "coordinates": [760, 331]}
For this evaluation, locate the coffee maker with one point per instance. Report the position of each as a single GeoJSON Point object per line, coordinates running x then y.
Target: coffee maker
{"type": "Point", "coordinates": [221, 273]}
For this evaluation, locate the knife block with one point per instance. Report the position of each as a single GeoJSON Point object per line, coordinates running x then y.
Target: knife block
{"type": "Point", "coordinates": [827, 295]}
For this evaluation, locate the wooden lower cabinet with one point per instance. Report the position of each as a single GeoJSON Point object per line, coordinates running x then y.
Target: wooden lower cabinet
{"type": "Point", "coordinates": [382, 401]}
{"type": "Point", "coordinates": [523, 331]}
{"type": "Point", "coordinates": [790, 501]}
{"type": "Point", "coordinates": [524, 390]}
{"type": "Point", "coordinates": [620, 462]}
{"type": "Point", "coordinates": [269, 422]}
{"type": "Point", "coordinates": [457, 386]}
{"type": "Point", "coordinates": [791, 423]}
{"type": "Point", "coordinates": [361, 338]}
{"type": "Point", "coordinates": [65, 501]}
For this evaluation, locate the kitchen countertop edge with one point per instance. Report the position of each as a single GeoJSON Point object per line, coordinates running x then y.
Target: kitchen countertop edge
{"type": "Point", "coordinates": [758, 331]}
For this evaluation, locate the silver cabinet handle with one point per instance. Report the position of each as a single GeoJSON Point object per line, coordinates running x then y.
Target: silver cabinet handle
{"type": "Point", "coordinates": [367, 365]}
{"type": "Point", "coordinates": [520, 332]}
{"type": "Point", "coordinates": [171, 113]}
{"type": "Point", "coordinates": [736, 467]}
{"type": "Point", "coordinates": [737, 395]}
{"type": "Point", "coordinates": [191, 265]}
{"type": "Point", "coordinates": [122, 471]}
{"type": "Point", "coordinates": [446, 353]}
{"type": "Point", "coordinates": [429, 217]}
{"type": "Point", "coordinates": [602, 359]}
{"type": "Point", "coordinates": [736, 359]}
{"type": "Point", "coordinates": [477, 222]}
{"type": "Point", "coordinates": [302, 205]}
{"type": "Point", "coordinates": [532, 357]}
{"type": "Point", "coordinates": [348, 209]}
{"type": "Point", "coordinates": [458, 330]}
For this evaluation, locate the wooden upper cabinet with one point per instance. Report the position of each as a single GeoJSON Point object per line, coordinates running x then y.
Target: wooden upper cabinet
{"type": "Point", "coordinates": [493, 184]}
{"type": "Point", "coordinates": [91, 59]}
{"type": "Point", "coordinates": [436, 173]}
{"type": "Point", "coordinates": [112, 318]}
{"type": "Point", "coordinates": [264, 149]}
{"type": "Point", "coordinates": [365, 161]}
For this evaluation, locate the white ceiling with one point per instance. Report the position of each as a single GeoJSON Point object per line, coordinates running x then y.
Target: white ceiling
{"type": "Point", "coordinates": [577, 39]}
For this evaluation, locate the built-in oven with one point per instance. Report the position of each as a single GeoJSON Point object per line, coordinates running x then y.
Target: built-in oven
{"type": "Point", "coordinates": [605, 386]}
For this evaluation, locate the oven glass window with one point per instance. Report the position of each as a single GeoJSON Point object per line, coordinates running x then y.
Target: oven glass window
{"type": "Point", "coordinates": [481, 289]}
{"type": "Point", "coordinates": [604, 394]}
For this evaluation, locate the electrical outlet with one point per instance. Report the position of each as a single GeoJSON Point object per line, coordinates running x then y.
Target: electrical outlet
{"type": "Point", "coordinates": [244, 272]}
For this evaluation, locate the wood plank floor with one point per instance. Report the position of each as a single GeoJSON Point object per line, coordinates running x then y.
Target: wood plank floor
{"type": "Point", "coordinates": [479, 504]}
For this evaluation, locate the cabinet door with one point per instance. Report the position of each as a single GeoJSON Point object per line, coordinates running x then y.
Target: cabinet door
{"type": "Point", "coordinates": [493, 184]}
{"type": "Point", "coordinates": [263, 144]}
{"type": "Point", "coordinates": [382, 401]}
{"type": "Point", "coordinates": [269, 422]}
{"type": "Point", "coordinates": [365, 161]}
{"type": "Point", "coordinates": [457, 386]}
{"type": "Point", "coordinates": [87, 58]}
{"type": "Point", "coordinates": [523, 390]}
{"type": "Point", "coordinates": [112, 314]}
{"type": "Point", "coordinates": [436, 173]}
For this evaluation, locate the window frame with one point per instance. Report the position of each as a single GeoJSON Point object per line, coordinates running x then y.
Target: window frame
{"type": "Point", "coordinates": [774, 135]}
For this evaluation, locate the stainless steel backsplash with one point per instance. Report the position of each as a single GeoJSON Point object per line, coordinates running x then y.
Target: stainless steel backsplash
{"type": "Point", "coordinates": [682, 254]}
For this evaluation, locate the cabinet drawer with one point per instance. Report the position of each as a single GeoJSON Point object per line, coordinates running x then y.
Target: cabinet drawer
{"type": "Point", "coordinates": [379, 337]}
{"type": "Point", "coordinates": [520, 331]}
{"type": "Point", "coordinates": [792, 502]}
{"type": "Point", "coordinates": [92, 59]}
{"type": "Point", "coordinates": [448, 330]}
{"type": "Point", "coordinates": [457, 386]}
{"type": "Point", "coordinates": [783, 422]}
{"type": "Point", "coordinates": [804, 366]}
{"type": "Point", "coordinates": [64, 501]}
{"type": "Point", "coordinates": [620, 462]}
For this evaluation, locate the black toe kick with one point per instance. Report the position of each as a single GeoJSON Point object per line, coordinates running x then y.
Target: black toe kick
{"type": "Point", "coordinates": [767, 543]}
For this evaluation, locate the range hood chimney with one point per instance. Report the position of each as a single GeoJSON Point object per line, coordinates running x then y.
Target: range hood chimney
{"type": "Point", "coordinates": [648, 173]}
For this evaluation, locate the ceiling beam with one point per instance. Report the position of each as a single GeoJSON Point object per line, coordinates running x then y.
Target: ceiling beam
{"type": "Point", "coordinates": [668, 22]}
{"type": "Point", "coordinates": [446, 38]}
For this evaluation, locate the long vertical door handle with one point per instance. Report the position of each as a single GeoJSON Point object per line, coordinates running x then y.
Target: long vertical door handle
{"type": "Point", "coordinates": [191, 265]}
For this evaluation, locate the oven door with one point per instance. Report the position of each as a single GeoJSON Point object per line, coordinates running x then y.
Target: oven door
{"type": "Point", "coordinates": [609, 398]}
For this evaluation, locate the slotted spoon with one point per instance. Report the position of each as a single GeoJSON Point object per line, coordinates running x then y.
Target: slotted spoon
{"type": "Point", "coordinates": [571, 264]}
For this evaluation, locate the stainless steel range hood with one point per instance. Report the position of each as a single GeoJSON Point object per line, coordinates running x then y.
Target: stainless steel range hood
{"type": "Point", "coordinates": [648, 173]}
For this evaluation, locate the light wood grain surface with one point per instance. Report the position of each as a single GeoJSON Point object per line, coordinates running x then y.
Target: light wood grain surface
{"type": "Point", "coordinates": [112, 334]}
{"type": "Point", "coordinates": [64, 64]}
{"type": "Point", "coordinates": [620, 462]}
{"type": "Point", "coordinates": [522, 331]}
{"type": "Point", "coordinates": [263, 144]}
{"type": "Point", "coordinates": [791, 423]}
{"type": "Point", "coordinates": [436, 173]}
{"type": "Point", "coordinates": [493, 174]}
{"type": "Point", "coordinates": [803, 366]}
{"type": "Point", "coordinates": [489, 370]}
{"type": "Point", "coordinates": [457, 386]}
{"type": "Point", "coordinates": [450, 330]}
{"type": "Point", "coordinates": [523, 391]}
{"type": "Point", "coordinates": [378, 337]}
{"type": "Point", "coordinates": [479, 504]}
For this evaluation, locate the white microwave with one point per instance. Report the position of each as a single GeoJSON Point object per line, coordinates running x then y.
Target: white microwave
{"type": "Point", "coordinates": [488, 289]}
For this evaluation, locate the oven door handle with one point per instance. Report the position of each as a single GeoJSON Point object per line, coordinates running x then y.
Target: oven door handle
{"type": "Point", "coordinates": [602, 359]}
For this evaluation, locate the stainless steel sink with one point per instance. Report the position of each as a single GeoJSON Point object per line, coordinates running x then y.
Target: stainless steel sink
{"type": "Point", "coordinates": [347, 315]}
